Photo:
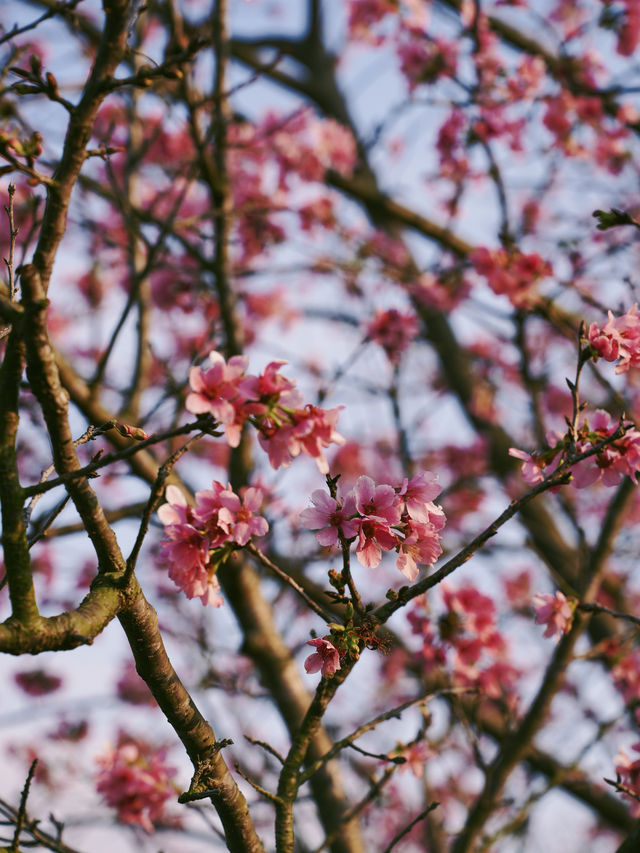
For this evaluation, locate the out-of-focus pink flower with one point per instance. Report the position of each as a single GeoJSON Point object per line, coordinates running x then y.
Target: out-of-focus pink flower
{"type": "Point", "coordinates": [423, 61]}
{"type": "Point", "coordinates": [328, 517]}
{"type": "Point", "coordinates": [513, 274]}
{"type": "Point", "coordinates": [629, 32]}
{"type": "Point", "coordinates": [135, 781]}
{"type": "Point", "coordinates": [554, 611]}
{"type": "Point", "coordinates": [326, 658]}
{"type": "Point", "coordinates": [131, 688]}
{"type": "Point", "coordinates": [416, 756]}
{"type": "Point", "coordinates": [393, 331]}
{"type": "Point", "coordinates": [37, 682]}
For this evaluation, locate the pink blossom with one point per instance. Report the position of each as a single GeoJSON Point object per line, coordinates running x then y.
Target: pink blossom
{"type": "Point", "coordinates": [198, 537]}
{"type": "Point", "coordinates": [326, 658]}
{"type": "Point", "coordinates": [619, 338]}
{"type": "Point", "coordinates": [244, 524]}
{"type": "Point", "coordinates": [327, 516]}
{"type": "Point", "coordinates": [513, 274]}
{"type": "Point", "coordinates": [418, 494]}
{"type": "Point", "coordinates": [612, 462]}
{"type": "Point", "coordinates": [416, 756]}
{"type": "Point", "coordinates": [135, 781]}
{"type": "Point", "coordinates": [374, 536]}
{"type": "Point", "coordinates": [377, 502]}
{"type": "Point", "coordinates": [541, 463]}
{"type": "Point", "coordinates": [533, 467]}
{"type": "Point", "coordinates": [423, 61]}
{"type": "Point", "coordinates": [393, 331]}
{"type": "Point", "coordinates": [213, 389]}
{"type": "Point", "coordinates": [270, 383]}
{"type": "Point", "coordinates": [554, 611]}
{"type": "Point", "coordinates": [309, 430]}
{"type": "Point", "coordinates": [421, 545]}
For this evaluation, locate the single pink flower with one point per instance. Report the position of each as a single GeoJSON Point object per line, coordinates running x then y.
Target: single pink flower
{"type": "Point", "coordinates": [380, 503]}
{"type": "Point", "coordinates": [328, 517]}
{"type": "Point", "coordinates": [374, 536]}
{"type": "Point", "coordinates": [420, 546]}
{"type": "Point", "coordinates": [418, 494]}
{"type": "Point", "coordinates": [213, 390]}
{"type": "Point", "coordinates": [554, 611]}
{"type": "Point", "coordinates": [326, 658]}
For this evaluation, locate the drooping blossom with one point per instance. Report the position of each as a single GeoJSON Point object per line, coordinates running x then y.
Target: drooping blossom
{"type": "Point", "coordinates": [135, 781]}
{"type": "Point", "coordinates": [554, 611]}
{"type": "Point", "coordinates": [326, 658]}
{"type": "Point", "coordinates": [420, 546]}
{"type": "Point", "coordinates": [418, 494]}
{"type": "Point", "coordinates": [270, 402]}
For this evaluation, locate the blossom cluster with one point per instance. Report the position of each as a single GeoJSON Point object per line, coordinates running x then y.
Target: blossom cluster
{"type": "Point", "coordinates": [618, 340]}
{"type": "Point", "coordinates": [135, 780]}
{"type": "Point", "coordinates": [383, 518]}
{"type": "Point", "coordinates": [610, 464]}
{"type": "Point", "coordinates": [393, 331]}
{"type": "Point", "coordinates": [466, 639]}
{"type": "Point", "coordinates": [270, 402]}
{"type": "Point", "coordinates": [513, 274]}
{"type": "Point", "coordinates": [198, 539]}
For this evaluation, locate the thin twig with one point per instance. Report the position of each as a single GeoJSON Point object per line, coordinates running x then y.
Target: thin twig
{"type": "Point", "coordinates": [22, 809]}
{"type": "Point", "coordinates": [152, 503]}
{"type": "Point", "coordinates": [267, 563]}
{"type": "Point", "coordinates": [410, 826]}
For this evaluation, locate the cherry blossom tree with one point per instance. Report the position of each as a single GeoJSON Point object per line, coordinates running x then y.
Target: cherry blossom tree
{"type": "Point", "coordinates": [319, 425]}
